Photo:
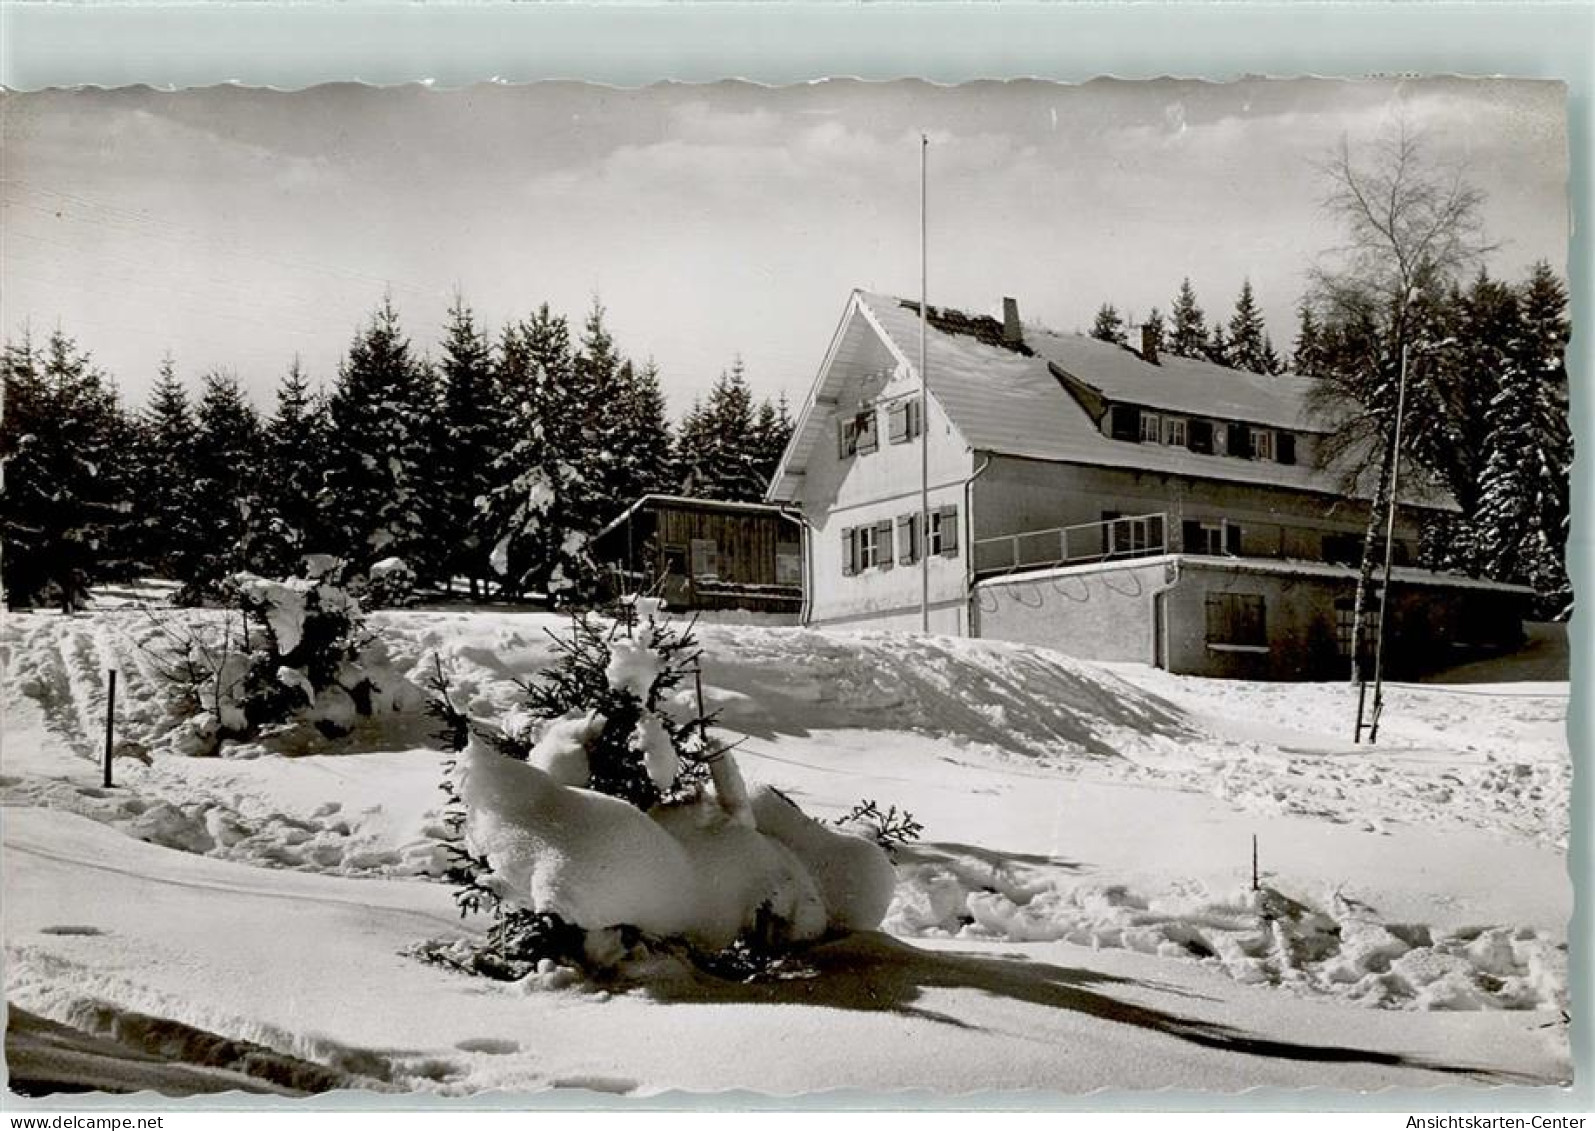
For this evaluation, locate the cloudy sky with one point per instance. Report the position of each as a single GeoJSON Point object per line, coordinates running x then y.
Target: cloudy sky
{"type": "Point", "coordinates": [236, 228]}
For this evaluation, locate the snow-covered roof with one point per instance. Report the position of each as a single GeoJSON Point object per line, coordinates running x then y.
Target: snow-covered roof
{"type": "Point", "coordinates": [1007, 402]}
{"type": "Point", "coordinates": [725, 506]}
{"type": "Point", "coordinates": [1289, 567]}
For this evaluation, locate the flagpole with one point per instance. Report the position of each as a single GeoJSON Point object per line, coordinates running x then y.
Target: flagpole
{"type": "Point", "coordinates": [922, 528]}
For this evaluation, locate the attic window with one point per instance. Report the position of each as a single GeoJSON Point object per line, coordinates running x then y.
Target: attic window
{"type": "Point", "coordinates": [1174, 431]}
{"type": "Point", "coordinates": [856, 435]}
{"type": "Point", "coordinates": [1262, 444]}
{"type": "Point", "coordinates": [1151, 428]}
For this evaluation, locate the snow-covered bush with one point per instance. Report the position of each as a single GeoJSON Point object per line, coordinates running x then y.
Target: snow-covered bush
{"type": "Point", "coordinates": [616, 814]}
{"type": "Point", "coordinates": [290, 651]}
{"type": "Point", "coordinates": [611, 713]}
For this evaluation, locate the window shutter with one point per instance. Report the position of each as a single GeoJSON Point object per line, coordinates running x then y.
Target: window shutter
{"type": "Point", "coordinates": [1232, 539]}
{"type": "Point", "coordinates": [907, 543]}
{"type": "Point", "coordinates": [1199, 436]}
{"type": "Point", "coordinates": [915, 424]}
{"type": "Point", "coordinates": [897, 429]}
{"type": "Point", "coordinates": [1285, 447]}
{"type": "Point", "coordinates": [949, 532]}
{"type": "Point", "coordinates": [883, 544]}
{"type": "Point", "coordinates": [1240, 442]}
{"type": "Point", "coordinates": [849, 562]}
{"type": "Point", "coordinates": [1191, 537]}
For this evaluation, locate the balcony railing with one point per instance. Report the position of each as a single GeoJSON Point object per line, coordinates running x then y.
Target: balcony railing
{"type": "Point", "coordinates": [1133, 536]}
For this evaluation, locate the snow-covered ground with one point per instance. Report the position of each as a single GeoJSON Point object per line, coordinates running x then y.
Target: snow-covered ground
{"type": "Point", "coordinates": [1079, 913]}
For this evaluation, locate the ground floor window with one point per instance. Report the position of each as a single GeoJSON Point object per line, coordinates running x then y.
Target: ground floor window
{"type": "Point", "coordinates": [1345, 609]}
{"type": "Point", "coordinates": [1236, 619]}
{"type": "Point", "coordinates": [705, 559]}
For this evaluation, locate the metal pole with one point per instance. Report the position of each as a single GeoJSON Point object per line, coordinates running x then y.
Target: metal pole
{"type": "Point", "coordinates": [110, 722]}
{"type": "Point", "coordinates": [1390, 545]}
{"type": "Point", "coordinates": [922, 527]}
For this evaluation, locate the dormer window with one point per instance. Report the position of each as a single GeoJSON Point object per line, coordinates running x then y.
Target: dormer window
{"type": "Point", "coordinates": [1151, 428]}
{"type": "Point", "coordinates": [1174, 431]}
{"type": "Point", "coordinates": [1263, 444]}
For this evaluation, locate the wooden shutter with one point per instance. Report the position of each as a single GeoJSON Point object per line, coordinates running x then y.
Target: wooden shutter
{"type": "Point", "coordinates": [897, 430]}
{"type": "Point", "coordinates": [849, 548]}
{"type": "Point", "coordinates": [883, 544]}
{"type": "Point", "coordinates": [1232, 539]}
{"type": "Point", "coordinates": [1191, 540]}
{"type": "Point", "coordinates": [1240, 441]}
{"type": "Point", "coordinates": [949, 532]}
{"type": "Point", "coordinates": [1285, 447]}
{"type": "Point", "coordinates": [907, 542]}
{"type": "Point", "coordinates": [1124, 422]}
{"type": "Point", "coordinates": [1199, 436]}
{"type": "Point", "coordinates": [915, 424]}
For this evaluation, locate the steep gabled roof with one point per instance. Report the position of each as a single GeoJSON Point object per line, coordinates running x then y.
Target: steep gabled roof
{"type": "Point", "coordinates": [1014, 403]}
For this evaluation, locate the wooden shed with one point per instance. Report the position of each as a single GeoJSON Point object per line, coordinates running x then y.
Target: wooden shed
{"type": "Point", "coordinates": [706, 554]}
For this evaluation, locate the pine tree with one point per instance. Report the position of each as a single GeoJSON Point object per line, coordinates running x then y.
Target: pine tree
{"type": "Point", "coordinates": [295, 451]}
{"type": "Point", "coordinates": [1188, 337]}
{"type": "Point", "coordinates": [471, 437]}
{"type": "Point", "coordinates": [601, 381]}
{"type": "Point", "coordinates": [67, 446]}
{"type": "Point", "coordinates": [225, 500]}
{"type": "Point", "coordinates": [379, 416]}
{"type": "Point", "coordinates": [1155, 332]}
{"type": "Point", "coordinates": [1217, 349]}
{"type": "Point", "coordinates": [169, 537]}
{"type": "Point", "coordinates": [720, 457]}
{"type": "Point", "coordinates": [1248, 345]}
{"type": "Point", "coordinates": [642, 438]}
{"type": "Point", "coordinates": [772, 431]}
{"type": "Point", "coordinates": [537, 509]}
{"type": "Point", "coordinates": [1109, 326]}
{"type": "Point", "coordinates": [1307, 358]}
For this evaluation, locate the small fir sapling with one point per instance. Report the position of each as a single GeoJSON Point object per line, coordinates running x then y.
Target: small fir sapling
{"type": "Point", "coordinates": [890, 829]}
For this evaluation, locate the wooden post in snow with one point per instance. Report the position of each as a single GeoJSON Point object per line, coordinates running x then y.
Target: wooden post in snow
{"type": "Point", "coordinates": [110, 722]}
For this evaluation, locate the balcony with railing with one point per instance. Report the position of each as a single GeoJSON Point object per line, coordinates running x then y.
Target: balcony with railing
{"type": "Point", "coordinates": [1133, 536]}
{"type": "Point", "coordinates": [1147, 535]}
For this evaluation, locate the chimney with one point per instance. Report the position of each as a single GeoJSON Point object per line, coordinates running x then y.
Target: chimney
{"type": "Point", "coordinates": [1148, 344]}
{"type": "Point", "coordinates": [1012, 333]}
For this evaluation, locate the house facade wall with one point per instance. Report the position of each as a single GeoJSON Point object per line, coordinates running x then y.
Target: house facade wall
{"type": "Point", "coordinates": [845, 492]}
{"type": "Point", "coordinates": [1093, 612]}
{"type": "Point", "coordinates": [1155, 611]}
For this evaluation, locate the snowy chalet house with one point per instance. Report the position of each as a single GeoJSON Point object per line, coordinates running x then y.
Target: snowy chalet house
{"type": "Point", "coordinates": [1103, 501]}
{"type": "Point", "coordinates": [706, 554]}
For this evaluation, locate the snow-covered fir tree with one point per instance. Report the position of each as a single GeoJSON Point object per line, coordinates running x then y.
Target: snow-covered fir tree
{"type": "Point", "coordinates": [600, 379]}
{"type": "Point", "coordinates": [471, 436]}
{"type": "Point", "coordinates": [379, 415]}
{"type": "Point", "coordinates": [539, 503]}
{"type": "Point", "coordinates": [1217, 349]}
{"type": "Point", "coordinates": [290, 490]}
{"type": "Point", "coordinates": [1108, 325]}
{"type": "Point", "coordinates": [642, 439]}
{"type": "Point", "coordinates": [1307, 357]}
{"type": "Point", "coordinates": [1248, 345]}
{"type": "Point", "coordinates": [1520, 518]}
{"type": "Point", "coordinates": [169, 536]}
{"type": "Point", "coordinates": [1188, 329]}
{"type": "Point", "coordinates": [67, 448]}
{"type": "Point", "coordinates": [718, 456]}
{"type": "Point", "coordinates": [1155, 329]}
{"type": "Point", "coordinates": [772, 430]}
{"type": "Point", "coordinates": [228, 455]}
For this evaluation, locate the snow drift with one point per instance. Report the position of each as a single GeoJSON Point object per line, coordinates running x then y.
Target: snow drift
{"type": "Point", "coordinates": [687, 870]}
